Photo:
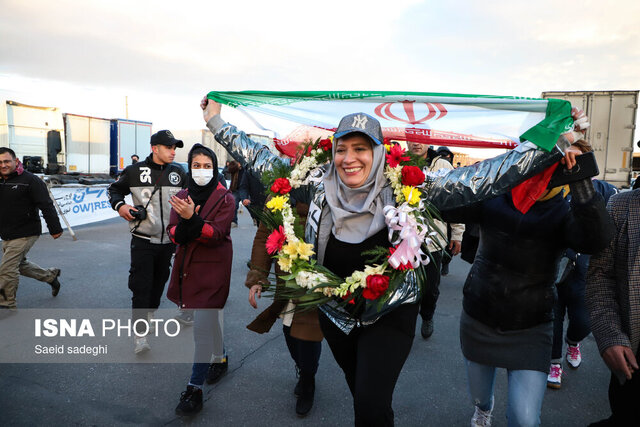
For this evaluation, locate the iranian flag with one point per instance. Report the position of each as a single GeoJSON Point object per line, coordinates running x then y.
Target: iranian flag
{"type": "Point", "coordinates": [429, 118]}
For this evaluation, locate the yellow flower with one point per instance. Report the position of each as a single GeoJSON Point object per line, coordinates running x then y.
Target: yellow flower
{"type": "Point", "coordinates": [305, 250]}
{"type": "Point", "coordinates": [290, 249]}
{"type": "Point", "coordinates": [277, 203]}
{"type": "Point", "coordinates": [387, 147]}
{"type": "Point", "coordinates": [285, 264]}
{"type": "Point", "coordinates": [411, 194]}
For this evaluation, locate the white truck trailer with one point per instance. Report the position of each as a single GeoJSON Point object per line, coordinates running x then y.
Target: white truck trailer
{"type": "Point", "coordinates": [34, 132]}
{"type": "Point", "coordinates": [612, 115]}
{"type": "Point", "coordinates": [88, 142]}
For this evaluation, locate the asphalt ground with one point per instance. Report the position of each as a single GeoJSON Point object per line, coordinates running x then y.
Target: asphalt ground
{"type": "Point", "coordinates": [258, 389]}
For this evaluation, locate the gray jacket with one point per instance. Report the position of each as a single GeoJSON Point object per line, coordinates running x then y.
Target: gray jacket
{"type": "Point", "coordinates": [139, 180]}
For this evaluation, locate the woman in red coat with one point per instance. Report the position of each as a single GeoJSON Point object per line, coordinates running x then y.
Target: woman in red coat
{"type": "Point", "coordinates": [200, 225]}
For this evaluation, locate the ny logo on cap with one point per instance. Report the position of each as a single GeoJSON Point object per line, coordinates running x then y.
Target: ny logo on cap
{"type": "Point", "coordinates": [359, 122]}
{"type": "Point", "coordinates": [169, 134]}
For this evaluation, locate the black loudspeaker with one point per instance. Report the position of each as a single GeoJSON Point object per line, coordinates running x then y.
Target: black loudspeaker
{"type": "Point", "coordinates": [33, 164]}
{"type": "Point", "coordinates": [54, 146]}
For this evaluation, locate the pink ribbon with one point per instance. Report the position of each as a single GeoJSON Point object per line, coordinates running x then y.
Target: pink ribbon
{"type": "Point", "coordinates": [412, 235]}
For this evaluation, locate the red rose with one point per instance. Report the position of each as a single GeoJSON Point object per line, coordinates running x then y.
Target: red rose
{"type": "Point", "coordinates": [412, 175]}
{"type": "Point", "coordinates": [281, 186]}
{"type": "Point", "coordinates": [377, 284]}
{"type": "Point", "coordinates": [401, 267]}
{"type": "Point", "coordinates": [325, 144]}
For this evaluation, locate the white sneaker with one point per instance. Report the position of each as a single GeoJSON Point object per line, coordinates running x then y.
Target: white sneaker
{"type": "Point", "coordinates": [141, 345]}
{"type": "Point", "coordinates": [554, 379]}
{"type": "Point", "coordinates": [574, 357]}
{"type": "Point", "coordinates": [152, 325]}
{"type": "Point", "coordinates": [481, 418]}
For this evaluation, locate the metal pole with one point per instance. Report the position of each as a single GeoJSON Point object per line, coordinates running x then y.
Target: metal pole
{"type": "Point", "coordinates": [64, 218]}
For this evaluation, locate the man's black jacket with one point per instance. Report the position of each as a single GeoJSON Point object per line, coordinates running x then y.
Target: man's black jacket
{"type": "Point", "coordinates": [21, 195]}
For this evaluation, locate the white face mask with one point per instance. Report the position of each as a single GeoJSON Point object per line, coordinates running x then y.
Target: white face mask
{"type": "Point", "coordinates": [202, 176]}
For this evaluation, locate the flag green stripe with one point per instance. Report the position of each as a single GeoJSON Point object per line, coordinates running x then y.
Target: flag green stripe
{"type": "Point", "coordinates": [556, 122]}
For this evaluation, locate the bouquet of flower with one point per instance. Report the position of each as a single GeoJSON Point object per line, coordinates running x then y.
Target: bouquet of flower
{"type": "Point", "coordinates": [410, 222]}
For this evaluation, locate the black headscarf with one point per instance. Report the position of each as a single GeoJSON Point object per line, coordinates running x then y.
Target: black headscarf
{"type": "Point", "coordinates": [200, 193]}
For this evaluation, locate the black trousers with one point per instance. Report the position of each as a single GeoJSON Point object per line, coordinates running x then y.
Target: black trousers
{"type": "Point", "coordinates": [150, 268]}
{"type": "Point", "coordinates": [371, 358]}
{"type": "Point", "coordinates": [624, 400]}
{"type": "Point", "coordinates": [431, 289]}
{"type": "Point", "coordinates": [306, 354]}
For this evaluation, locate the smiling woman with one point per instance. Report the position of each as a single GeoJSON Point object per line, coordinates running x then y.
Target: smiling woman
{"type": "Point", "coordinates": [354, 157]}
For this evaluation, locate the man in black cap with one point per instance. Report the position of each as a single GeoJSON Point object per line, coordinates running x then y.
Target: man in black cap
{"type": "Point", "coordinates": [151, 183]}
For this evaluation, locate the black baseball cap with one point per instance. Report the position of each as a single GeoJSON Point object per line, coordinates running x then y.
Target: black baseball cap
{"type": "Point", "coordinates": [444, 151]}
{"type": "Point", "coordinates": [165, 137]}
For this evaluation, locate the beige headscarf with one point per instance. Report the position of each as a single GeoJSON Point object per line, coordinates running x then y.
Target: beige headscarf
{"type": "Point", "coordinates": [357, 213]}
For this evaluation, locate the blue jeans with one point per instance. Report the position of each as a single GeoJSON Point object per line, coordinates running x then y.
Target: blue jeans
{"type": "Point", "coordinates": [571, 301]}
{"type": "Point", "coordinates": [208, 340]}
{"type": "Point", "coordinates": [526, 391]}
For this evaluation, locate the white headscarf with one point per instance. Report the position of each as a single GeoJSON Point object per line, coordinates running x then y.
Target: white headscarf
{"type": "Point", "coordinates": [357, 213]}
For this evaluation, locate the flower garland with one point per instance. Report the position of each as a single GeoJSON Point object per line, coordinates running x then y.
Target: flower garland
{"type": "Point", "coordinates": [410, 226]}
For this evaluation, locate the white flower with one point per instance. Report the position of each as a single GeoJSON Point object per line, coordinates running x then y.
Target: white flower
{"type": "Point", "coordinates": [310, 279]}
{"type": "Point", "coordinates": [288, 220]}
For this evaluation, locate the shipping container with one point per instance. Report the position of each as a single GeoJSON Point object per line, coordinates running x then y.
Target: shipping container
{"type": "Point", "coordinates": [88, 141]}
{"type": "Point", "coordinates": [128, 137]}
{"type": "Point", "coordinates": [33, 131]}
{"type": "Point", "coordinates": [612, 115]}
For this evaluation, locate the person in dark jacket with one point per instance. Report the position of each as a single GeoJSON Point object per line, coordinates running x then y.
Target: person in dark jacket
{"type": "Point", "coordinates": [22, 194]}
{"type": "Point", "coordinates": [509, 294]}
{"type": "Point", "coordinates": [151, 183]}
{"type": "Point", "coordinates": [251, 193]}
{"type": "Point", "coordinates": [301, 328]}
{"type": "Point", "coordinates": [570, 284]}
{"type": "Point", "coordinates": [236, 172]}
{"type": "Point", "coordinates": [200, 225]}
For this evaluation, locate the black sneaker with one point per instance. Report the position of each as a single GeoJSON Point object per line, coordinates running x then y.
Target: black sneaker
{"type": "Point", "coordinates": [445, 269]}
{"type": "Point", "coordinates": [298, 388]}
{"type": "Point", "coordinates": [305, 398]}
{"type": "Point", "coordinates": [190, 401]}
{"type": "Point", "coordinates": [55, 284]}
{"type": "Point", "coordinates": [217, 371]}
{"type": "Point", "coordinates": [426, 330]}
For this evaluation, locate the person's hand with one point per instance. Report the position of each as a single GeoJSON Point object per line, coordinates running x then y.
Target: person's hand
{"type": "Point", "coordinates": [55, 236]}
{"type": "Point", "coordinates": [580, 126]}
{"type": "Point", "coordinates": [569, 159]}
{"type": "Point", "coordinates": [580, 120]}
{"type": "Point", "coordinates": [246, 202]}
{"type": "Point", "coordinates": [184, 208]}
{"type": "Point", "coordinates": [256, 290]}
{"type": "Point", "coordinates": [123, 211]}
{"type": "Point", "coordinates": [455, 246]}
{"type": "Point", "coordinates": [620, 360]}
{"type": "Point", "coordinates": [210, 108]}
